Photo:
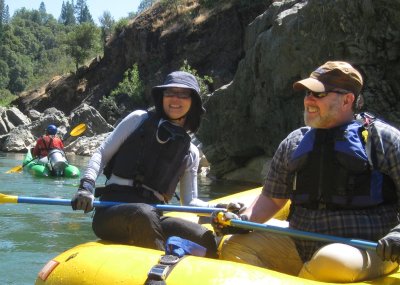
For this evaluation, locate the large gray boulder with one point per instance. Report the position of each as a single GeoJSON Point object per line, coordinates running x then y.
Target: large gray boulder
{"type": "Point", "coordinates": [250, 116]}
{"type": "Point", "coordinates": [96, 124]}
{"type": "Point", "coordinates": [11, 118]}
{"type": "Point", "coordinates": [86, 146]}
{"type": "Point", "coordinates": [24, 136]}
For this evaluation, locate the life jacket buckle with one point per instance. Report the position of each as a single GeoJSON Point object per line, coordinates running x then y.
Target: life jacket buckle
{"type": "Point", "coordinates": [158, 272]}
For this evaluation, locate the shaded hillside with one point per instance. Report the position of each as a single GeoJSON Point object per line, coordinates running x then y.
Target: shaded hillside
{"type": "Point", "coordinates": [158, 41]}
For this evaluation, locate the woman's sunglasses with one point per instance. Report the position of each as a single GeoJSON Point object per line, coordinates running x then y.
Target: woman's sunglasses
{"type": "Point", "coordinates": [180, 95]}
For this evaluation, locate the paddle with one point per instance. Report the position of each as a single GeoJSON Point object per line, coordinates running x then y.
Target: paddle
{"type": "Point", "coordinates": [299, 234]}
{"type": "Point", "coordinates": [10, 199]}
{"type": "Point", "coordinates": [76, 131]}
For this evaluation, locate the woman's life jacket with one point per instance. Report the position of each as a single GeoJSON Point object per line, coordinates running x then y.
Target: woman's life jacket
{"type": "Point", "coordinates": [46, 143]}
{"type": "Point", "coordinates": [153, 156]}
{"type": "Point", "coordinates": [330, 169]}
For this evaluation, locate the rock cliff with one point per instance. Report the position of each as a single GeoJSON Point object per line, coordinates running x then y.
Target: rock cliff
{"type": "Point", "coordinates": [249, 117]}
{"type": "Point", "coordinates": [254, 52]}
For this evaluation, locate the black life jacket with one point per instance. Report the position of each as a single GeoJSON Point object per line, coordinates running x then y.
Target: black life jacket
{"type": "Point", "coordinates": [153, 155]}
{"type": "Point", "coordinates": [330, 169]}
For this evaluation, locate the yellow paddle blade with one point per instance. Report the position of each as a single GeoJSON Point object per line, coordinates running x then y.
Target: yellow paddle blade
{"type": "Point", "coordinates": [8, 199]}
{"type": "Point", "coordinates": [17, 168]}
{"type": "Point", "coordinates": [78, 130]}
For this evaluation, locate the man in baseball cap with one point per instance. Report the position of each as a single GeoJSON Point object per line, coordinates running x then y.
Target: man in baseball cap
{"type": "Point", "coordinates": [341, 177]}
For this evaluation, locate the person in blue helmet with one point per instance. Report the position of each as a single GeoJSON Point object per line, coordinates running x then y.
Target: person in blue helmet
{"type": "Point", "coordinates": [47, 142]}
{"type": "Point", "coordinates": [144, 159]}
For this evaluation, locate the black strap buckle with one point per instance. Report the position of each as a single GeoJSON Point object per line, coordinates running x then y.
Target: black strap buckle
{"type": "Point", "coordinates": [161, 270]}
{"type": "Point", "coordinates": [158, 272]}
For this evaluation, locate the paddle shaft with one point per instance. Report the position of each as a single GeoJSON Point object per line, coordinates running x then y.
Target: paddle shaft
{"type": "Point", "coordinates": [204, 210]}
{"type": "Point", "coordinates": [303, 234]}
{"type": "Point", "coordinates": [66, 202]}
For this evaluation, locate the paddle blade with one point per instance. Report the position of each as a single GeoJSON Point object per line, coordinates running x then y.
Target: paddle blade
{"type": "Point", "coordinates": [17, 168]}
{"type": "Point", "coordinates": [7, 199]}
{"type": "Point", "coordinates": [78, 130]}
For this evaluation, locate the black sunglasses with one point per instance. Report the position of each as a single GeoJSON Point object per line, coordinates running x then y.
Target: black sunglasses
{"type": "Point", "coordinates": [320, 95]}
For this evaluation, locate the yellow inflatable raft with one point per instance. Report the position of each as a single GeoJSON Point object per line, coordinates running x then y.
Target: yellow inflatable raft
{"type": "Point", "coordinates": [101, 262]}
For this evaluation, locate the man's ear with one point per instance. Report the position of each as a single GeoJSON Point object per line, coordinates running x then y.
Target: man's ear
{"type": "Point", "coordinates": [348, 100]}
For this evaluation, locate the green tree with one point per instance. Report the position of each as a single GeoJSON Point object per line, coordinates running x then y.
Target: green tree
{"type": "Point", "coordinates": [67, 15]}
{"type": "Point", "coordinates": [82, 42]}
{"type": "Point", "coordinates": [82, 12]}
{"type": "Point", "coordinates": [4, 74]}
{"type": "Point", "coordinates": [106, 24]}
{"type": "Point", "coordinates": [44, 17]}
{"type": "Point", "coordinates": [42, 8]}
{"type": "Point", "coordinates": [6, 15]}
{"type": "Point", "coordinates": [86, 17]}
{"type": "Point", "coordinates": [144, 4]}
{"type": "Point", "coordinates": [33, 39]}
{"type": "Point", "coordinates": [21, 72]}
{"type": "Point", "coordinates": [2, 17]}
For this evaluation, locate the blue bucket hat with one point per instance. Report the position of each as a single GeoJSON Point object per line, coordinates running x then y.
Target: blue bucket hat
{"type": "Point", "coordinates": [179, 79]}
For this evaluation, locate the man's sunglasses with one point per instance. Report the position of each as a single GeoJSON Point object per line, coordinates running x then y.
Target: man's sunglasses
{"type": "Point", "coordinates": [320, 95]}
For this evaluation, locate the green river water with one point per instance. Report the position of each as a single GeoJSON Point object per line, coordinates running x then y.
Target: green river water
{"type": "Point", "coordinates": [30, 235]}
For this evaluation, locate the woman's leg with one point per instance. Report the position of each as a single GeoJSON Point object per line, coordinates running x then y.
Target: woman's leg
{"type": "Point", "coordinates": [135, 224]}
{"type": "Point", "coordinates": [191, 231]}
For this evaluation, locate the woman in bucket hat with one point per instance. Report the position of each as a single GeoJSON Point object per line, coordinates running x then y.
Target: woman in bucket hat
{"type": "Point", "coordinates": [144, 158]}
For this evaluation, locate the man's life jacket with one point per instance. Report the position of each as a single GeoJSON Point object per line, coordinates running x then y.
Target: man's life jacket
{"type": "Point", "coordinates": [330, 169]}
{"type": "Point", "coordinates": [45, 144]}
{"type": "Point", "coordinates": [153, 156]}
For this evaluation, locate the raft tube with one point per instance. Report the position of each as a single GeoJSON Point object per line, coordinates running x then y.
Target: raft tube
{"type": "Point", "coordinates": [39, 169]}
{"type": "Point", "coordinates": [101, 262]}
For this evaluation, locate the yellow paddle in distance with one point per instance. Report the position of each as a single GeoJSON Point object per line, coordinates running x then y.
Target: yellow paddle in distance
{"type": "Point", "coordinates": [76, 131]}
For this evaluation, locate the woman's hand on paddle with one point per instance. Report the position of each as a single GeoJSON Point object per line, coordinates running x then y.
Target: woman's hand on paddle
{"type": "Point", "coordinates": [83, 199]}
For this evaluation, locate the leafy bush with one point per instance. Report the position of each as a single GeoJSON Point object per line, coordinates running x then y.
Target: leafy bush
{"type": "Point", "coordinates": [6, 97]}
{"type": "Point", "coordinates": [204, 81]}
{"type": "Point", "coordinates": [128, 95]}
{"type": "Point", "coordinates": [120, 25]}
{"type": "Point", "coordinates": [131, 86]}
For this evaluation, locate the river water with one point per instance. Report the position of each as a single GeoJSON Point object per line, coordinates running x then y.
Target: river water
{"type": "Point", "coordinates": [30, 235]}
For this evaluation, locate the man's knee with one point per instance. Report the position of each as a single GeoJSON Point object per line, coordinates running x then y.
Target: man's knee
{"type": "Point", "coordinates": [331, 259]}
